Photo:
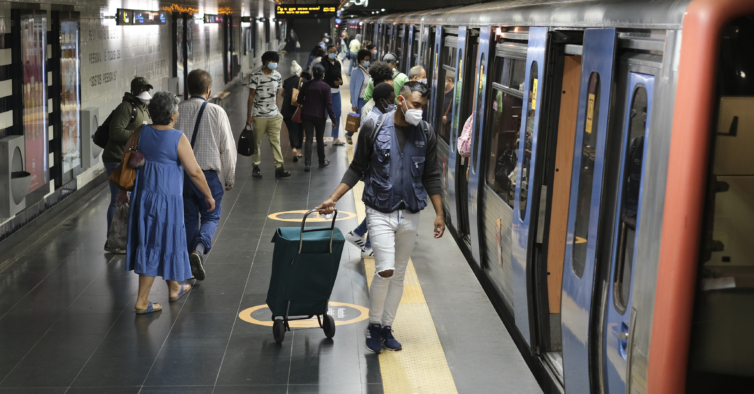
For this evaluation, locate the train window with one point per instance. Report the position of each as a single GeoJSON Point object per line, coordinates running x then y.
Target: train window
{"type": "Point", "coordinates": [518, 74]}
{"type": "Point", "coordinates": [476, 136]}
{"type": "Point", "coordinates": [523, 182]}
{"type": "Point", "coordinates": [629, 201]}
{"type": "Point", "coordinates": [586, 175]}
{"type": "Point", "coordinates": [505, 124]}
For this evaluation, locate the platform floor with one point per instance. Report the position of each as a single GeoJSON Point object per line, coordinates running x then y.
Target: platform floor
{"type": "Point", "coordinates": [67, 323]}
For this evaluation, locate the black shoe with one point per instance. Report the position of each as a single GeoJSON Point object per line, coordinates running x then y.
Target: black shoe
{"type": "Point", "coordinates": [280, 172]}
{"type": "Point", "coordinates": [256, 173]}
{"type": "Point", "coordinates": [295, 159]}
{"type": "Point", "coordinates": [307, 168]}
{"type": "Point", "coordinates": [325, 164]}
{"type": "Point", "coordinates": [197, 269]}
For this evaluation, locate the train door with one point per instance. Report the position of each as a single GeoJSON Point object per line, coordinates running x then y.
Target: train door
{"type": "Point", "coordinates": [475, 160]}
{"type": "Point", "coordinates": [438, 83]}
{"type": "Point", "coordinates": [424, 53]}
{"type": "Point", "coordinates": [451, 127]}
{"type": "Point", "coordinates": [584, 207]}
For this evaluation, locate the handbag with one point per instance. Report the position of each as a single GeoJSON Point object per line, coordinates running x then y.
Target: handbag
{"type": "Point", "coordinates": [352, 122]}
{"type": "Point", "coordinates": [247, 141]}
{"type": "Point", "coordinates": [294, 95]}
{"type": "Point", "coordinates": [124, 176]}
{"type": "Point", "coordinates": [297, 116]}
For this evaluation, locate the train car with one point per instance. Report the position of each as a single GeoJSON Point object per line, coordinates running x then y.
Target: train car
{"type": "Point", "coordinates": [606, 206]}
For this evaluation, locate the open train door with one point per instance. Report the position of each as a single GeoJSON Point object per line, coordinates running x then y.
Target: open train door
{"type": "Point", "coordinates": [584, 207]}
{"type": "Point", "coordinates": [453, 157]}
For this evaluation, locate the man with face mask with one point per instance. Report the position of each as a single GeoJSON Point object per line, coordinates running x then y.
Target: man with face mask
{"type": "Point", "coordinates": [418, 73]}
{"type": "Point", "coordinates": [397, 158]}
{"type": "Point", "coordinates": [325, 40]}
{"type": "Point", "coordinates": [126, 118]}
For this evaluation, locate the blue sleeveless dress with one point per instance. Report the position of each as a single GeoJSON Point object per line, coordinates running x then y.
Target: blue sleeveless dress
{"type": "Point", "coordinates": [156, 232]}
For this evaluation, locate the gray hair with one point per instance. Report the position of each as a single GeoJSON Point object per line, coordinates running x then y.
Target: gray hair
{"type": "Point", "coordinates": [358, 37]}
{"type": "Point", "coordinates": [415, 72]}
{"type": "Point", "coordinates": [161, 108]}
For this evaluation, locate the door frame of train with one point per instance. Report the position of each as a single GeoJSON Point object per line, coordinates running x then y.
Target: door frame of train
{"type": "Point", "coordinates": [452, 151]}
{"type": "Point", "coordinates": [520, 234]}
{"type": "Point", "coordinates": [577, 297]}
{"type": "Point", "coordinates": [476, 176]}
{"type": "Point", "coordinates": [410, 30]}
{"type": "Point", "coordinates": [436, 62]}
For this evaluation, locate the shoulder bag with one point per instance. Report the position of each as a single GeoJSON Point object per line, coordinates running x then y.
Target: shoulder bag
{"type": "Point", "coordinates": [124, 175]}
{"type": "Point", "coordinates": [294, 94]}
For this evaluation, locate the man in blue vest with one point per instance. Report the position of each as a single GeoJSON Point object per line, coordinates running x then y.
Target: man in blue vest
{"type": "Point", "coordinates": [397, 156]}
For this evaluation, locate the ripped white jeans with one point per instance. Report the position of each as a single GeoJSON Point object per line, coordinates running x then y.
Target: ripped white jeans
{"type": "Point", "coordinates": [393, 237]}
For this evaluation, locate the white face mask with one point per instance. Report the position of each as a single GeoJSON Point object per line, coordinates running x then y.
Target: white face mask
{"type": "Point", "coordinates": [413, 116]}
{"type": "Point", "coordinates": [145, 97]}
{"type": "Point", "coordinates": [423, 81]}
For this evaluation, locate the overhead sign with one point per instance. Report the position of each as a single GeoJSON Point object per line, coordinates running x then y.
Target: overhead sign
{"type": "Point", "coordinates": [213, 18]}
{"type": "Point", "coordinates": [140, 17]}
{"type": "Point", "coordinates": [319, 11]}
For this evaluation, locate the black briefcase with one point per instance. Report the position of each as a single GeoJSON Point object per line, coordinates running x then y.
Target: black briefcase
{"type": "Point", "coordinates": [246, 142]}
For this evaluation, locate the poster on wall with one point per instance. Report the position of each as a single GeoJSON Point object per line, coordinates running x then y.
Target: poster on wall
{"type": "Point", "coordinates": [70, 94]}
{"type": "Point", "coordinates": [179, 21]}
{"type": "Point", "coordinates": [33, 31]}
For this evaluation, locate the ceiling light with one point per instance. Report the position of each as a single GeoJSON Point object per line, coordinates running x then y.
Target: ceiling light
{"type": "Point", "coordinates": [383, 10]}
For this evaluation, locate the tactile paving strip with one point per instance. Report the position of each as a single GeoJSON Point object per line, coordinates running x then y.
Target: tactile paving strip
{"type": "Point", "coordinates": [421, 367]}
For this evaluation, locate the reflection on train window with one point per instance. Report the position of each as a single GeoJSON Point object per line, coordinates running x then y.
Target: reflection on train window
{"type": "Point", "coordinates": [456, 96]}
{"type": "Point", "coordinates": [529, 133]}
{"type": "Point", "coordinates": [449, 56]}
{"type": "Point", "coordinates": [446, 101]}
{"type": "Point", "coordinates": [518, 74]}
{"type": "Point", "coordinates": [629, 201]}
{"type": "Point", "coordinates": [479, 100]}
{"type": "Point", "coordinates": [505, 124]}
{"type": "Point", "coordinates": [586, 175]}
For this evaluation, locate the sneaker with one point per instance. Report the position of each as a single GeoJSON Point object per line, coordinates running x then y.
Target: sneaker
{"type": "Point", "coordinates": [108, 249]}
{"type": "Point", "coordinates": [256, 173]}
{"type": "Point", "coordinates": [307, 168]}
{"type": "Point", "coordinates": [325, 164]}
{"type": "Point", "coordinates": [197, 269]}
{"type": "Point", "coordinates": [355, 239]}
{"type": "Point", "coordinates": [373, 334]}
{"type": "Point", "coordinates": [349, 139]}
{"type": "Point", "coordinates": [367, 252]}
{"type": "Point", "coordinates": [388, 340]}
{"type": "Point", "coordinates": [339, 142]}
{"type": "Point", "coordinates": [280, 172]}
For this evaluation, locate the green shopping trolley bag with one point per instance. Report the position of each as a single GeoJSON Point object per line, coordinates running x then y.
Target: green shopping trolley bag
{"type": "Point", "coordinates": [304, 267]}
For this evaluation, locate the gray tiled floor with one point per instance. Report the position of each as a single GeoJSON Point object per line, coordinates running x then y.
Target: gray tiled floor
{"type": "Point", "coordinates": [67, 323]}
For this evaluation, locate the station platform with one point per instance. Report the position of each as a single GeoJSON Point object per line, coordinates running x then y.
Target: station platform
{"type": "Point", "coordinates": [67, 323]}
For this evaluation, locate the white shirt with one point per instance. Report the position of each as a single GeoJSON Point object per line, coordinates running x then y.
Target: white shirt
{"type": "Point", "coordinates": [215, 148]}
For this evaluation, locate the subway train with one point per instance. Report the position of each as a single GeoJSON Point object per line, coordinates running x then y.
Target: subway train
{"type": "Point", "coordinates": [606, 205]}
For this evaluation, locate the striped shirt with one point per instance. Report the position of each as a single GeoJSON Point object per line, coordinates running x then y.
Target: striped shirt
{"type": "Point", "coordinates": [215, 148]}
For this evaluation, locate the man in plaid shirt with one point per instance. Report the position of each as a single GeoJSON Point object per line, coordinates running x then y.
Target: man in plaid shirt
{"type": "Point", "coordinates": [215, 151]}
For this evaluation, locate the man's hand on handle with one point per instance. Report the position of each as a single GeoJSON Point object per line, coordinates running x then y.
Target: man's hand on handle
{"type": "Point", "coordinates": [327, 207]}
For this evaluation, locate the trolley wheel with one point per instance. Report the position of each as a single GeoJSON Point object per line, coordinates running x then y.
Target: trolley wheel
{"type": "Point", "coordinates": [278, 331]}
{"type": "Point", "coordinates": [329, 326]}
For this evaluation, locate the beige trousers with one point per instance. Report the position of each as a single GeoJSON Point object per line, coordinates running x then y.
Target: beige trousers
{"type": "Point", "coordinates": [270, 127]}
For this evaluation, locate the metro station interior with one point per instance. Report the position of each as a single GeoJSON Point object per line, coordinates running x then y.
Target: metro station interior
{"type": "Point", "coordinates": [573, 213]}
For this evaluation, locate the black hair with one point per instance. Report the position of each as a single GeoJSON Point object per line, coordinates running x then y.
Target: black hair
{"type": "Point", "coordinates": [198, 82]}
{"type": "Point", "coordinates": [370, 47]}
{"type": "Point", "coordinates": [380, 72]}
{"type": "Point", "coordinates": [319, 52]}
{"type": "Point", "coordinates": [306, 76]}
{"type": "Point", "coordinates": [331, 46]}
{"type": "Point", "coordinates": [319, 71]}
{"type": "Point", "coordinates": [270, 56]}
{"type": "Point", "coordinates": [415, 86]}
{"type": "Point", "coordinates": [362, 54]}
{"type": "Point", "coordinates": [382, 91]}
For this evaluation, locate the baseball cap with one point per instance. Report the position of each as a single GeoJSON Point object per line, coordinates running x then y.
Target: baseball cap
{"type": "Point", "coordinates": [139, 83]}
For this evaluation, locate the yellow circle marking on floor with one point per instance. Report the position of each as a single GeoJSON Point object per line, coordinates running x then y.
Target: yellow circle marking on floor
{"type": "Point", "coordinates": [245, 315]}
{"type": "Point", "coordinates": [313, 218]}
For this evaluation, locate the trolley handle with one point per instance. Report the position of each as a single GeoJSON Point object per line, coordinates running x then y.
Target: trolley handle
{"type": "Point", "coordinates": [304, 230]}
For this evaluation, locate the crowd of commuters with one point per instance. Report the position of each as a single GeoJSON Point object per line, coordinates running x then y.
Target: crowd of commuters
{"type": "Point", "coordinates": [190, 162]}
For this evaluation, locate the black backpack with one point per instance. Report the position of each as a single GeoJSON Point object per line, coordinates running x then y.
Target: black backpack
{"type": "Point", "coordinates": [102, 135]}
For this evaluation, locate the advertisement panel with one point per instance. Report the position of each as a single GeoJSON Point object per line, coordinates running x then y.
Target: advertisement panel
{"type": "Point", "coordinates": [33, 29]}
{"type": "Point", "coordinates": [70, 94]}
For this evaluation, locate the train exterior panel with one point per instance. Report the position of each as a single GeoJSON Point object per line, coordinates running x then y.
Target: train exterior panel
{"type": "Point", "coordinates": [600, 202]}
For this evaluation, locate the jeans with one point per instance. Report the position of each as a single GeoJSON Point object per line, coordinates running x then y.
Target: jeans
{"type": "Point", "coordinates": [295, 134]}
{"type": "Point", "coordinates": [271, 127]}
{"type": "Point", "coordinates": [310, 123]}
{"type": "Point", "coordinates": [200, 224]}
{"type": "Point", "coordinates": [353, 62]}
{"type": "Point", "coordinates": [360, 230]}
{"type": "Point", "coordinates": [337, 108]}
{"type": "Point", "coordinates": [393, 239]}
{"type": "Point", "coordinates": [114, 191]}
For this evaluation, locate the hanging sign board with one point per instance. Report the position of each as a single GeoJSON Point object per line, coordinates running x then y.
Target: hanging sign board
{"type": "Point", "coordinates": [140, 17]}
{"type": "Point", "coordinates": [292, 11]}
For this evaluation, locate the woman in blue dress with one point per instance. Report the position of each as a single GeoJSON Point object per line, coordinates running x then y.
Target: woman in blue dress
{"type": "Point", "coordinates": [156, 233]}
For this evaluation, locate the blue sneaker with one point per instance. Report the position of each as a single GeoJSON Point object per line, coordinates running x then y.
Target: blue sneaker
{"type": "Point", "coordinates": [374, 337]}
{"type": "Point", "coordinates": [388, 340]}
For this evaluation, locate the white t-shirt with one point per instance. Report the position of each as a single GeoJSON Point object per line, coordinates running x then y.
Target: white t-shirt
{"type": "Point", "coordinates": [265, 103]}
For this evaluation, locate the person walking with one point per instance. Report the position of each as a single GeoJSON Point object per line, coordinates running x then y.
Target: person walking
{"type": "Point", "coordinates": [292, 42]}
{"type": "Point", "coordinates": [295, 134]}
{"type": "Point", "coordinates": [380, 72]}
{"type": "Point", "coordinates": [317, 98]}
{"type": "Point", "coordinates": [156, 234]}
{"type": "Point", "coordinates": [208, 129]}
{"type": "Point", "coordinates": [263, 112]}
{"type": "Point", "coordinates": [395, 192]}
{"type": "Point", "coordinates": [126, 117]}
{"type": "Point", "coordinates": [399, 78]}
{"type": "Point", "coordinates": [359, 81]}
{"type": "Point", "coordinates": [353, 48]}
{"type": "Point", "coordinates": [324, 41]}
{"type": "Point", "coordinates": [384, 97]}
{"type": "Point", "coordinates": [334, 78]}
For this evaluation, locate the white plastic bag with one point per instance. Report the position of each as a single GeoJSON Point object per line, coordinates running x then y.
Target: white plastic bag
{"type": "Point", "coordinates": [117, 237]}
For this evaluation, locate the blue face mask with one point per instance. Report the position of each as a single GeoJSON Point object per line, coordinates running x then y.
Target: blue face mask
{"type": "Point", "coordinates": [332, 55]}
{"type": "Point", "coordinates": [272, 66]}
{"type": "Point", "coordinates": [366, 63]}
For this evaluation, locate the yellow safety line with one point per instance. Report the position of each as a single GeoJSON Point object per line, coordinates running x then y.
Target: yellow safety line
{"type": "Point", "coordinates": [421, 367]}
